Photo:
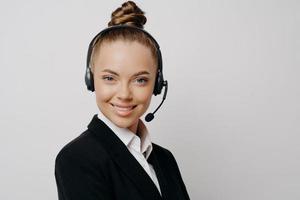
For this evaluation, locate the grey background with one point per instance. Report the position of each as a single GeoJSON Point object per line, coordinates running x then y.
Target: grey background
{"type": "Point", "coordinates": [232, 115]}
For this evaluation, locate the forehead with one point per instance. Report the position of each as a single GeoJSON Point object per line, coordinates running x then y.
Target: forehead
{"type": "Point", "coordinates": [124, 56]}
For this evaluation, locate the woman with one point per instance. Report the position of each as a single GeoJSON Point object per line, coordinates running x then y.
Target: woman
{"type": "Point", "coordinates": [115, 158]}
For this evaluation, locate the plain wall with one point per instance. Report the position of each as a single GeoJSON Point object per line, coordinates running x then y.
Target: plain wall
{"type": "Point", "coordinates": [232, 114]}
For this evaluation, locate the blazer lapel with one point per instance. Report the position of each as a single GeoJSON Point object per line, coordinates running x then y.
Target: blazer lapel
{"type": "Point", "coordinates": [126, 161]}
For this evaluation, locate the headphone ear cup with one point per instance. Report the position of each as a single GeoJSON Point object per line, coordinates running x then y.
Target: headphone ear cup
{"type": "Point", "coordinates": [159, 83]}
{"type": "Point", "coordinates": [89, 80]}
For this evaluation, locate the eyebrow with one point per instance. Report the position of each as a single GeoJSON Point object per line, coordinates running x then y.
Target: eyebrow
{"type": "Point", "coordinates": [136, 74]}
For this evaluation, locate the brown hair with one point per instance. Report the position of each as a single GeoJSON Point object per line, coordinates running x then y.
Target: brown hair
{"type": "Point", "coordinates": [128, 14]}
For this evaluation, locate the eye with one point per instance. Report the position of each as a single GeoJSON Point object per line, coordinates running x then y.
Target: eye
{"type": "Point", "coordinates": [141, 80]}
{"type": "Point", "coordinates": [107, 78]}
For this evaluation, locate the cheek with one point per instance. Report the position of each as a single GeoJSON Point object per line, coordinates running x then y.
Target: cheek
{"type": "Point", "coordinates": [144, 96]}
{"type": "Point", "coordinates": [103, 94]}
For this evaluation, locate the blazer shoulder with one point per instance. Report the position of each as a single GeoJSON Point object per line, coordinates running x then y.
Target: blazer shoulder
{"type": "Point", "coordinates": [83, 148]}
{"type": "Point", "coordinates": [164, 154]}
{"type": "Point", "coordinates": [161, 150]}
{"type": "Point", "coordinates": [166, 157]}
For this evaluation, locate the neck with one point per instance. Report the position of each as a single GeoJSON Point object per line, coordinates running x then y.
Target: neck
{"type": "Point", "coordinates": [134, 127]}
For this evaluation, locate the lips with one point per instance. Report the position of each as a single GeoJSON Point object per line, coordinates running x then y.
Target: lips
{"type": "Point", "coordinates": [123, 110]}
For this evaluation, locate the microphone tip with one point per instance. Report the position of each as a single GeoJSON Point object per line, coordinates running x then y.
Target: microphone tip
{"type": "Point", "coordinates": [149, 117]}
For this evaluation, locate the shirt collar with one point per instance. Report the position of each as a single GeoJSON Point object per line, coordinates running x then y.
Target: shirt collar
{"type": "Point", "coordinates": [141, 143]}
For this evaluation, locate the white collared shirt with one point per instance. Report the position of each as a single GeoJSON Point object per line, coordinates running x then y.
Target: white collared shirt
{"type": "Point", "coordinates": [139, 147]}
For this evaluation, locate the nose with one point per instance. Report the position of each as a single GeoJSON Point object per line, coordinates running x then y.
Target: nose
{"type": "Point", "coordinates": [124, 92]}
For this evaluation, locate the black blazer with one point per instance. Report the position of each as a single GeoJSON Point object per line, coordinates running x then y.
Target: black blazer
{"type": "Point", "coordinates": [98, 166]}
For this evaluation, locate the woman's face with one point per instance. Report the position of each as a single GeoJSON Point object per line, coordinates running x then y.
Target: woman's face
{"type": "Point", "coordinates": [124, 77]}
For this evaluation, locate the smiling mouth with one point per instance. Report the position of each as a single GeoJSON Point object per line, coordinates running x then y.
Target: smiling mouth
{"type": "Point", "coordinates": [123, 111]}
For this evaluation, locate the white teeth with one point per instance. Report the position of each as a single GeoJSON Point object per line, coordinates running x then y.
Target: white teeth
{"type": "Point", "coordinates": [123, 111]}
{"type": "Point", "coordinates": [124, 108]}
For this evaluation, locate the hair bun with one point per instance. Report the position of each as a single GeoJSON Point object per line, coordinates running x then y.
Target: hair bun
{"type": "Point", "coordinates": [129, 14]}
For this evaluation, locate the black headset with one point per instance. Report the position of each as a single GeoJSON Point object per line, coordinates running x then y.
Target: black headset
{"type": "Point", "coordinates": [89, 80]}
